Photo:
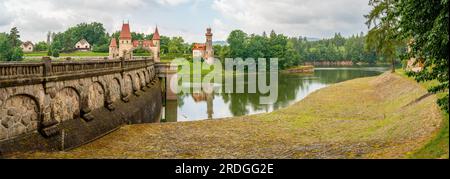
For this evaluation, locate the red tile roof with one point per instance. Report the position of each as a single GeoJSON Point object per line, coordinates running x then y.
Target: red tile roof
{"type": "Point", "coordinates": [198, 46]}
{"type": "Point", "coordinates": [113, 43]}
{"type": "Point", "coordinates": [144, 43]}
{"type": "Point", "coordinates": [135, 43]}
{"type": "Point", "coordinates": [148, 43]}
{"type": "Point", "coordinates": [156, 34]}
{"type": "Point", "coordinates": [125, 33]}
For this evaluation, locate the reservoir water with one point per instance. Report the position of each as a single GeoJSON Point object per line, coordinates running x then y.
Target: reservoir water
{"type": "Point", "coordinates": [292, 88]}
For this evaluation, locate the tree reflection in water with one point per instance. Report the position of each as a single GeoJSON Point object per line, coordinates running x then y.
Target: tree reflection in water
{"type": "Point", "coordinates": [291, 88]}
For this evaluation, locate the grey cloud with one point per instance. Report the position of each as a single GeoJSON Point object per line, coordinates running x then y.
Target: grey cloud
{"type": "Point", "coordinates": [35, 18]}
{"type": "Point", "coordinates": [321, 18]}
{"type": "Point", "coordinates": [35, 22]}
{"type": "Point", "coordinates": [5, 17]}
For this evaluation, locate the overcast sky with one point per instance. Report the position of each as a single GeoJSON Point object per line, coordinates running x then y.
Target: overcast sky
{"type": "Point", "coordinates": [187, 18]}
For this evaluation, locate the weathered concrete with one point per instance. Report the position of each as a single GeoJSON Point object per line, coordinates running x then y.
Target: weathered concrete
{"type": "Point", "coordinates": [56, 106]}
{"type": "Point", "coordinates": [170, 73]}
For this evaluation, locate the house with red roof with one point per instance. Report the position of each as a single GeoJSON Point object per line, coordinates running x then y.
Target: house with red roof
{"type": "Point", "coordinates": [204, 50]}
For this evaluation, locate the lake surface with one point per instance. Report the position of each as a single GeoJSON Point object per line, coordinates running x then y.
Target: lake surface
{"type": "Point", "coordinates": [292, 88]}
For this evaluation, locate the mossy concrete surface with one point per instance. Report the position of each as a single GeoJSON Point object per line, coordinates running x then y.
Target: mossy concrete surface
{"type": "Point", "coordinates": [388, 116]}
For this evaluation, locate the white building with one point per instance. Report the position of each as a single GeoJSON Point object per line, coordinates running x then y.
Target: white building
{"type": "Point", "coordinates": [27, 46]}
{"type": "Point", "coordinates": [83, 45]}
{"type": "Point", "coordinates": [204, 50]}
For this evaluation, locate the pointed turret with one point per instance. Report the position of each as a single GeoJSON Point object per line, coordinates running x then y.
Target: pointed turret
{"type": "Point", "coordinates": [125, 33]}
{"type": "Point", "coordinates": [113, 50]}
{"type": "Point", "coordinates": [113, 42]}
{"type": "Point", "coordinates": [125, 43]}
{"type": "Point", "coordinates": [156, 34]}
{"type": "Point", "coordinates": [156, 45]}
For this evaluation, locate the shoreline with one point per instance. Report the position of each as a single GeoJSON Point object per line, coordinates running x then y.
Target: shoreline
{"type": "Point", "coordinates": [355, 129]}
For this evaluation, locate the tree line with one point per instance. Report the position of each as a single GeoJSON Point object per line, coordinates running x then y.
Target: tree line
{"type": "Point", "coordinates": [293, 51]}
{"type": "Point", "coordinates": [423, 25]}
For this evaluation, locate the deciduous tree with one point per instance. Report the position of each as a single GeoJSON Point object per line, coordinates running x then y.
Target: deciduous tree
{"type": "Point", "coordinates": [426, 23]}
{"type": "Point", "coordinates": [382, 34]}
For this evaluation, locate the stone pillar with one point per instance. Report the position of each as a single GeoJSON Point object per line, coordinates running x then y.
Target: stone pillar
{"type": "Point", "coordinates": [47, 66]}
{"type": "Point", "coordinates": [171, 111]}
{"type": "Point", "coordinates": [49, 123]}
{"type": "Point", "coordinates": [171, 82]}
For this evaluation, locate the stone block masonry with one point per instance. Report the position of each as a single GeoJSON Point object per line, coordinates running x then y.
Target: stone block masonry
{"type": "Point", "coordinates": [62, 105]}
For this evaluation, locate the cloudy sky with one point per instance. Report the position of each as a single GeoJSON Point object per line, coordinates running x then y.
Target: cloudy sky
{"type": "Point", "coordinates": [187, 18]}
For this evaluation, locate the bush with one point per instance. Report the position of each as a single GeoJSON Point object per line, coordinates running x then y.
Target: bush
{"type": "Point", "coordinates": [140, 50]}
{"type": "Point", "coordinates": [17, 54]}
{"type": "Point", "coordinates": [41, 46]}
{"type": "Point", "coordinates": [101, 48]}
{"type": "Point", "coordinates": [55, 53]}
{"type": "Point", "coordinates": [7, 51]}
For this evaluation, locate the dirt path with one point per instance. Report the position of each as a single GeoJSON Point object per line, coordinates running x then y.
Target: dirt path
{"type": "Point", "coordinates": [378, 117]}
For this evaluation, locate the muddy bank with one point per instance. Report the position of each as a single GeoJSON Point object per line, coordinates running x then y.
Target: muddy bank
{"type": "Point", "coordinates": [377, 117]}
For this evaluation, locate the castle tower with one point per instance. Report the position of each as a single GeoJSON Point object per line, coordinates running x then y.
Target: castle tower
{"type": "Point", "coordinates": [113, 50]}
{"type": "Point", "coordinates": [156, 43]}
{"type": "Point", "coordinates": [49, 40]}
{"type": "Point", "coordinates": [209, 52]}
{"type": "Point", "coordinates": [125, 42]}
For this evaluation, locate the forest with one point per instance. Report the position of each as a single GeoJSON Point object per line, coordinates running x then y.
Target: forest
{"type": "Point", "coordinates": [291, 51]}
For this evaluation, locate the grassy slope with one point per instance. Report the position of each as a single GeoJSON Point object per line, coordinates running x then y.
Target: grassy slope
{"type": "Point", "coordinates": [378, 117]}
{"type": "Point", "coordinates": [438, 147]}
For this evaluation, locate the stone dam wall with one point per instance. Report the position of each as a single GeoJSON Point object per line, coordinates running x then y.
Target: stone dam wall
{"type": "Point", "coordinates": [51, 106]}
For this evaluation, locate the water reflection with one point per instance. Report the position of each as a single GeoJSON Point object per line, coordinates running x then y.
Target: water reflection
{"type": "Point", "coordinates": [292, 88]}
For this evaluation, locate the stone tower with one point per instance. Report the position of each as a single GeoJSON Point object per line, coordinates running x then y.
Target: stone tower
{"type": "Point", "coordinates": [156, 43]}
{"type": "Point", "coordinates": [209, 52]}
{"type": "Point", "coordinates": [49, 40]}
{"type": "Point", "coordinates": [125, 42]}
{"type": "Point", "coordinates": [113, 50]}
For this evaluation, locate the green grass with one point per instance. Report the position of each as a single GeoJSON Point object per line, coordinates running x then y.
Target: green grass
{"type": "Point", "coordinates": [35, 54]}
{"type": "Point", "coordinates": [167, 57]}
{"type": "Point", "coordinates": [193, 71]}
{"type": "Point", "coordinates": [72, 54]}
{"type": "Point", "coordinates": [438, 146]}
{"type": "Point", "coordinates": [172, 56]}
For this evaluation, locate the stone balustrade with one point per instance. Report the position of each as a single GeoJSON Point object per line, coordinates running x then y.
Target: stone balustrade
{"type": "Point", "coordinates": [51, 105]}
{"type": "Point", "coordinates": [13, 74]}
